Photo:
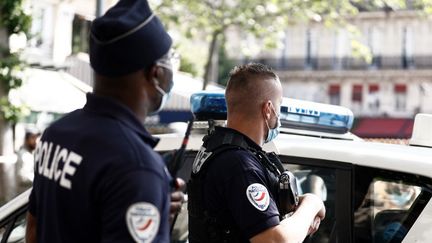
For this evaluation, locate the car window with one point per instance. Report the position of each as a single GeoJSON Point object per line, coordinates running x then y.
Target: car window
{"type": "Point", "coordinates": [325, 182]}
{"type": "Point", "coordinates": [387, 204]}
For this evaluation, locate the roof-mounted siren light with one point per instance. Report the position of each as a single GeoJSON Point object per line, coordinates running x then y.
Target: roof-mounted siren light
{"type": "Point", "coordinates": [422, 131]}
{"type": "Point", "coordinates": [312, 116]}
{"type": "Point", "coordinates": [208, 105]}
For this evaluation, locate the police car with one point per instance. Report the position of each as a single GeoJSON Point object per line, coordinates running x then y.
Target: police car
{"type": "Point", "coordinates": [373, 192]}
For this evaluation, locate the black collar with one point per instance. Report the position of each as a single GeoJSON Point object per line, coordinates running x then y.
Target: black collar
{"type": "Point", "coordinates": [249, 141]}
{"type": "Point", "coordinates": [110, 107]}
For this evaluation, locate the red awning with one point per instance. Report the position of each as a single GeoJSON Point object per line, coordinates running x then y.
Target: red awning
{"type": "Point", "coordinates": [383, 127]}
{"type": "Point", "coordinates": [373, 88]}
{"type": "Point", "coordinates": [334, 89]}
{"type": "Point", "coordinates": [400, 88]}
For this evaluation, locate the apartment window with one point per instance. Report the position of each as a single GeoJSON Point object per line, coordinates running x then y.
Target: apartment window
{"type": "Point", "coordinates": [285, 51]}
{"type": "Point", "coordinates": [357, 93]}
{"type": "Point", "coordinates": [357, 97]}
{"type": "Point", "coordinates": [407, 48]}
{"type": "Point", "coordinates": [341, 47]}
{"type": "Point", "coordinates": [373, 97]}
{"type": "Point", "coordinates": [334, 94]}
{"type": "Point", "coordinates": [37, 27]}
{"type": "Point", "coordinates": [400, 91]}
{"type": "Point", "coordinates": [374, 43]}
{"type": "Point", "coordinates": [311, 50]}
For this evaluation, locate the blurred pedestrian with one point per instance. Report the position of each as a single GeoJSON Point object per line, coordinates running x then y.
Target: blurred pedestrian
{"type": "Point", "coordinates": [97, 176]}
{"type": "Point", "coordinates": [24, 167]}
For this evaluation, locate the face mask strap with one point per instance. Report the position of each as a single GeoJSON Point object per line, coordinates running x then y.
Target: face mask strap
{"type": "Point", "coordinates": [164, 65]}
{"type": "Point", "coordinates": [272, 132]}
{"type": "Point", "coordinates": [277, 117]}
{"type": "Point", "coordinates": [164, 98]}
{"type": "Point", "coordinates": [159, 89]}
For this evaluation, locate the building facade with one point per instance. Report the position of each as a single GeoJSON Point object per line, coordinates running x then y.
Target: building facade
{"type": "Point", "coordinates": [379, 64]}
{"type": "Point", "coordinates": [318, 63]}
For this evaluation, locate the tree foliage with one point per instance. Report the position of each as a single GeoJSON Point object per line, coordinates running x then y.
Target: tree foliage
{"type": "Point", "coordinates": [13, 17]}
{"type": "Point", "coordinates": [13, 20]}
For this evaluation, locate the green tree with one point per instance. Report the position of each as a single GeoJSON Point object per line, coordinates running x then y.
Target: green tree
{"type": "Point", "coordinates": [13, 20]}
{"type": "Point", "coordinates": [225, 64]}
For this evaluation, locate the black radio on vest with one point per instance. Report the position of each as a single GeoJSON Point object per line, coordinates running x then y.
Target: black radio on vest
{"type": "Point", "coordinates": [288, 193]}
{"type": "Point", "coordinates": [286, 185]}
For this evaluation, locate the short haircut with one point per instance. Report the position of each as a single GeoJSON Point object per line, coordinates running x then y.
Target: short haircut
{"type": "Point", "coordinates": [249, 86]}
{"type": "Point", "coordinates": [240, 75]}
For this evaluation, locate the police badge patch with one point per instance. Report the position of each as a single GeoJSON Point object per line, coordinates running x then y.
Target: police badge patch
{"type": "Point", "coordinates": [258, 196]}
{"type": "Point", "coordinates": [143, 221]}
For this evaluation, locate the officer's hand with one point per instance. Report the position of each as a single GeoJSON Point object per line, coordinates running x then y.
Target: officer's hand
{"type": "Point", "coordinates": [313, 199]}
{"type": "Point", "coordinates": [177, 197]}
{"type": "Point", "coordinates": [314, 226]}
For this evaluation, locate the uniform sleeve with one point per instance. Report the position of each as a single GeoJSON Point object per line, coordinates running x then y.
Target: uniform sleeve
{"type": "Point", "coordinates": [32, 205]}
{"type": "Point", "coordinates": [245, 189]}
{"type": "Point", "coordinates": [135, 207]}
{"type": "Point", "coordinates": [32, 202]}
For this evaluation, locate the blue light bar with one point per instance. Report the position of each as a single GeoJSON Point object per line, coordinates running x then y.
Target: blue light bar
{"type": "Point", "coordinates": [295, 114]}
{"type": "Point", "coordinates": [209, 105]}
{"type": "Point", "coordinates": [306, 115]}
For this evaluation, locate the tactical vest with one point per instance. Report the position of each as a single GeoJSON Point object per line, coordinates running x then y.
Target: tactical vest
{"type": "Point", "coordinates": [206, 226]}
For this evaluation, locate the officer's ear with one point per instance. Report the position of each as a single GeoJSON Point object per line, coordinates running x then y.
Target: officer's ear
{"type": "Point", "coordinates": [266, 109]}
{"type": "Point", "coordinates": [154, 72]}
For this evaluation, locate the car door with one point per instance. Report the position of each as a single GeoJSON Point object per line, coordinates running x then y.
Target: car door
{"type": "Point", "coordinates": [332, 182]}
{"type": "Point", "coordinates": [364, 204]}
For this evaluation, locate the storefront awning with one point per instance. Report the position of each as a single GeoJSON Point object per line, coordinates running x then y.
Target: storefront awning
{"type": "Point", "coordinates": [383, 127]}
{"type": "Point", "coordinates": [50, 91]}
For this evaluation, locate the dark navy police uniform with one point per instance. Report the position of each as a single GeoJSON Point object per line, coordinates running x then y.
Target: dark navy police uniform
{"type": "Point", "coordinates": [231, 193]}
{"type": "Point", "coordinates": [97, 179]}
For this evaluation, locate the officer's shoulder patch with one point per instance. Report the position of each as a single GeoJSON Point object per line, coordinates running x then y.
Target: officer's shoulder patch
{"type": "Point", "coordinates": [258, 196]}
{"type": "Point", "coordinates": [143, 221]}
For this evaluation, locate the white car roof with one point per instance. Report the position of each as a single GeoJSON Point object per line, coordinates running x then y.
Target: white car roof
{"type": "Point", "coordinates": [410, 159]}
{"type": "Point", "coordinates": [404, 158]}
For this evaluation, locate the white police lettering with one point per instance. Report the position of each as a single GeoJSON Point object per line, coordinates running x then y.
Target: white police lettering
{"type": "Point", "coordinates": [48, 164]}
{"type": "Point", "coordinates": [303, 111]}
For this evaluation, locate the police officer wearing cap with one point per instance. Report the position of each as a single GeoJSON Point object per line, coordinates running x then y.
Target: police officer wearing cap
{"type": "Point", "coordinates": [97, 177]}
{"type": "Point", "coordinates": [232, 197]}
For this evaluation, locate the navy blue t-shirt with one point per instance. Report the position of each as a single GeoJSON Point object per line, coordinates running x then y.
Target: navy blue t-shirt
{"type": "Point", "coordinates": [238, 185]}
{"type": "Point", "coordinates": [97, 179]}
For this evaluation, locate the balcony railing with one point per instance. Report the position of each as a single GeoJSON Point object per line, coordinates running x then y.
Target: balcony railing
{"type": "Point", "coordinates": [378, 63]}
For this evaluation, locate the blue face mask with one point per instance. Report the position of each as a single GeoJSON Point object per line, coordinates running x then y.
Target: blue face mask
{"type": "Point", "coordinates": [165, 62]}
{"type": "Point", "coordinates": [165, 97]}
{"type": "Point", "coordinates": [273, 132]}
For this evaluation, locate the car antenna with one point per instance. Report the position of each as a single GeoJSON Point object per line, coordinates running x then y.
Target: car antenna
{"type": "Point", "coordinates": [177, 163]}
